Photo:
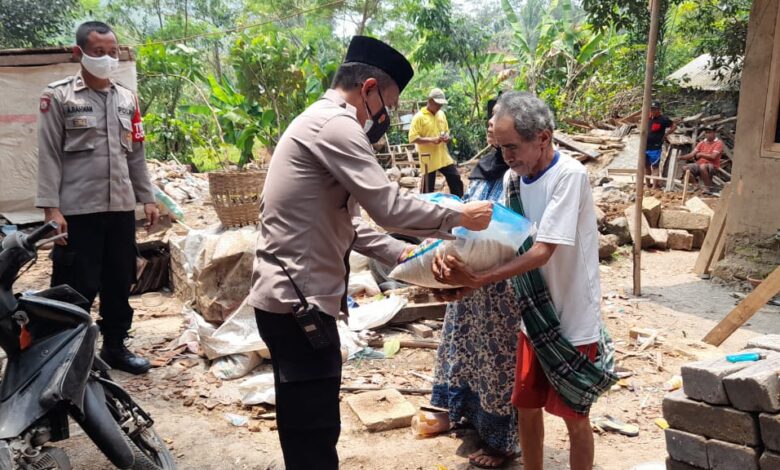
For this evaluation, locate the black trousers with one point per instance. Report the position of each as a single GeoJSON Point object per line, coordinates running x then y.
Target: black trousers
{"type": "Point", "coordinates": [100, 258]}
{"type": "Point", "coordinates": [307, 384]}
{"type": "Point", "coordinates": [452, 176]}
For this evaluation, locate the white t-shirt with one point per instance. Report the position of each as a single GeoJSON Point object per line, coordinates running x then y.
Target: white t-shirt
{"type": "Point", "coordinates": [560, 202]}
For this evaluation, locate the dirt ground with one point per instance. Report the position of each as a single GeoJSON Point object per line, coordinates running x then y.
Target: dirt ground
{"type": "Point", "coordinates": [188, 404]}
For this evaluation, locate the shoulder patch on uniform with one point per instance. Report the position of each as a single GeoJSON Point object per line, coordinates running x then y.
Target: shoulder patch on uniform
{"type": "Point", "coordinates": [45, 104]}
{"type": "Point", "coordinates": [58, 83]}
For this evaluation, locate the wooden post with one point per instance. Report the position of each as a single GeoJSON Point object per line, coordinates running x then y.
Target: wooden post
{"type": "Point", "coordinates": [640, 168]}
{"type": "Point", "coordinates": [745, 310]}
{"type": "Point", "coordinates": [685, 184]}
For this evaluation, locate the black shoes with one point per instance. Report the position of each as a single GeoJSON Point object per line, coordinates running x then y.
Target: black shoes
{"type": "Point", "coordinates": [116, 355]}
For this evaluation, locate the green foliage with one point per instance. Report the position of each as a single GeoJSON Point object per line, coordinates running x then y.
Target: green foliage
{"type": "Point", "coordinates": [37, 23]}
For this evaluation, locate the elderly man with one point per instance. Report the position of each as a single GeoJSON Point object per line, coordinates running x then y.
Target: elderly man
{"type": "Point", "coordinates": [321, 169]}
{"type": "Point", "coordinates": [558, 284]}
{"type": "Point", "coordinates": [707, 153]}
{"type": "Point", "coordinates": [431, 132]}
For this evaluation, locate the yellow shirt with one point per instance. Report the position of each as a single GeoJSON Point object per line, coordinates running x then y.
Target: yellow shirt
{"type": "Point", "coordinates": [425, 124]}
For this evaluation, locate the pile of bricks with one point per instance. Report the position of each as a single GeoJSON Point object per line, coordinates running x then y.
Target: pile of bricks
{"type": "Point", "coordinates": [727, 416]}
{"type": "Point", "coordinates": [681, 228]}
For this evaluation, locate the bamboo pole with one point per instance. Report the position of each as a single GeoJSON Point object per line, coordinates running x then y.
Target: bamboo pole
{"type": "Point", "coordinates": [640, 168]}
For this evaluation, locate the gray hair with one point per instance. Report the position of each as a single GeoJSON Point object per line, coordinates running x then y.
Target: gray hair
{"type": "Point", "coordinates": [531, 115]}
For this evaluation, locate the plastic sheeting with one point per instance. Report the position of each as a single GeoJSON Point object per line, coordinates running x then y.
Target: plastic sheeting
{"type": "Point", "coordinates": [19, 108]}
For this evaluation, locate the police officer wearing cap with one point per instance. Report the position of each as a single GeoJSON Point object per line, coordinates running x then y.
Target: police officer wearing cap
{"type": "Point", "coordinates": [321, 170]}
{"type": "Point", "coordinates": [91, 174]}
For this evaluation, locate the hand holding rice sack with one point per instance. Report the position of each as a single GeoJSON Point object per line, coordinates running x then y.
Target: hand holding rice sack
{"type": "Point", "coordinates": [478, 251]}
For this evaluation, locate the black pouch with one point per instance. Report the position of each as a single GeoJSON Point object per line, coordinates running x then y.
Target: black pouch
{"type": "Point", "coordinates": [308, 316]}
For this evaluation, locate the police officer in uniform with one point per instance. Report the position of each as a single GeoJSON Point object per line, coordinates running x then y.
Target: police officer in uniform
{"type": "Point", "coordinates": [322, 168]}
{"type": "Point", "coordinates": [91, 174]}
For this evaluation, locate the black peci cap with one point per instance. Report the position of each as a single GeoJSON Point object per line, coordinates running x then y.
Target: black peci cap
{"type": "Point", "coordinates": [366, 50]}
{"type": "Point", "coordinates": [655, 104]}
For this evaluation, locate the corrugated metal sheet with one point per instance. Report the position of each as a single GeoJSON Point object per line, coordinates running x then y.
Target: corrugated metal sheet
{"type": "Point", "coordinates": [698, 75]}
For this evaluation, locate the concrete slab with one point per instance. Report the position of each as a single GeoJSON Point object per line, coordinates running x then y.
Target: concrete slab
{"type": "Point", "coordinates": [382, 409]}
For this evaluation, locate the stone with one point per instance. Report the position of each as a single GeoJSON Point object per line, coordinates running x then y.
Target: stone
{"type": "Point", "coordinates": [601, 217]}
{"type": "Point", "coordinates": [381, 410]}
{"type": "Point", "coordinates": [647, 239]}
{"type": "Point", "coordinates": [698, 238]}
{"type": "Point", "coordinates": [679, 240]}
{"type": "Point", "coordinates": [703, 380]}
{"type": "Point", "coordinates": [651, 207]}
{"type": "Point", "coordinates": [770, 430]}
{"type": "Point", "coordinates": [672, 464]}
{"type": "Point", "coordinates": [687, 448]}
{"type": "Point", "coordinates": [684, 220]}
{"type": "Point", "coordinates": [714, 422]}
{"type": "Point", "coordinates": [729, 456]}
{"type": "Point", "coordinates": [770, 342]}
{"type": "Point", "coordinates": [756, 388]}
{"type": "Point", "coordinates": [660, 238]}
{"type": "Point", "coordinates": [608, 244]}
{"type": "Point", "coordinates": [619, 227]}
{"type": "Point", "coordinates": [697, 206]}
{"type": "Point", "coordinates": [769, 461]}
{"type": "Point", "coordinates": [409, 182]}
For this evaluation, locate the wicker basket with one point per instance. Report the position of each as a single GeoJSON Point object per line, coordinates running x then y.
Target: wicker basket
{"type": "Point", "coordinates": [236, 196]}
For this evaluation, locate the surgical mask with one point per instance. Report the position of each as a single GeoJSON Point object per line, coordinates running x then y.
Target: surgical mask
{"type": "Point", "coordinates": [101, 67]}
{"type": "Point", "coordinates": [376, 126]}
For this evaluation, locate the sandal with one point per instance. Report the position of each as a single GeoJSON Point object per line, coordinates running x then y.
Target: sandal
{"type": "Point", "coordinates": [610, 424]}
{"type": "Point", "coordinates": [502, 457]}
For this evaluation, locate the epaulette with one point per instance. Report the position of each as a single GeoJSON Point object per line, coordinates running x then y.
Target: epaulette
{"type": "Point", "coordinates": [118, 83]}
{"type": "Point", "coordinates": [64, 81]}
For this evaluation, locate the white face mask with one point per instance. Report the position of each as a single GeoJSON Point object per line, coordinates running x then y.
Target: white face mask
{"type": "Point", "coordinates": [101, 67]}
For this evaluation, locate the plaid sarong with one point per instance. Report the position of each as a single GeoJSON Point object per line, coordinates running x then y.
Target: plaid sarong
{"type": "Point", "coordinates": [578, 381]}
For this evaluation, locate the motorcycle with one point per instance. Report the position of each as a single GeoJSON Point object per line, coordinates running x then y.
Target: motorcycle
{"type": "Point", "coordinates": [53, 374]}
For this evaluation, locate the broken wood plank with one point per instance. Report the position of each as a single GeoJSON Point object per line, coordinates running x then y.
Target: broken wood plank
{"type": "Point", "coordinates": [420, 311]}
{"type": "Point", "coordinates": [372, 388]}
{"type": "Point", "coordinates": [418, 329]}
{"type": "Point", "coordinates": [745, 310]}
{"type": "Point", "coordinates": [714, 234]}
{"type": "Point", "coordinates": [564, 140]}
{"type": "Point", "coordinates": [415, 344]}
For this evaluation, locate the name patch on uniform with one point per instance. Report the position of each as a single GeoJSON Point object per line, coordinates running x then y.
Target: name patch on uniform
{"type": "Point", "coordinates": [73, 109]}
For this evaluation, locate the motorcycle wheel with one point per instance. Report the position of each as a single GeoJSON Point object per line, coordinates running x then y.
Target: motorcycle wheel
{"type": "Point", "coordinates": [150, 451]}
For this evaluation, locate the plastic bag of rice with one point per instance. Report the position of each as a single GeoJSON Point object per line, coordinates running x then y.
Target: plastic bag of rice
{"type": "Point", "coordinates": [481, 250]}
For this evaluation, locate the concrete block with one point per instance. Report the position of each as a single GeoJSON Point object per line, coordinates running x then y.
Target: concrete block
{"type": "Point", "coordinates": [686, 448]}
{"type": "Point", "coordinates": [703, 380]}
{"type": "Point", "coordinates": [769, 461]}
{"type": "Point", "coordinates": [697, 206]}
{"type": "Point", "coordinates": [619, 227]}
{"type": "Point", "coordinates": [770, 431]}
{"type": "Point", "coordinates": [382, 409]}
{"type": "Point", "coordinates": [698, 238]}
{"type": "Point", "coordinates": [714, 422]}
{"type": "Point", "coordinates": [679, 240]}
{"type": "Point", "coordinates": [770, 342]}
{"type": "Point", "coordinates": [660, 238]}
{"type": "Point", "coordinates": [672, 464]}
{"type": "Point", "coordinates": [651, 207]}
{"type": "Point", "coordinates": [729, 456]}
{"type": "Point", "coordinates": [683, 220]}
{"type": "Point", "coordinates": [756, 388]}
{"type": "Point", "coordinates": [647, 239]}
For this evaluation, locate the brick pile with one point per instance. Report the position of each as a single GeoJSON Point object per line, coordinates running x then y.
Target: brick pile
{"type": "Point", "coordinates": [681, 228]}
{"type": "Point", "coordinates": [727, 415]}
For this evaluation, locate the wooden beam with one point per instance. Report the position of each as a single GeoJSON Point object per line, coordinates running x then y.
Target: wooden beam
{"type": "Point", "coordinates": [561, 139]}
{"type": "Point", "coordinates": [714, 235]}
{"type": "Point", "coordinates": [745, 310]}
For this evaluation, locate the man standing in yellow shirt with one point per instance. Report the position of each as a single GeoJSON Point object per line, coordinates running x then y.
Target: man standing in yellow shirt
{"type": "Point", "coordinates": [431, 133]}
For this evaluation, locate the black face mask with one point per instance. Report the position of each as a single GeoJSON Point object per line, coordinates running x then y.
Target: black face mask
{"type": "Point", "coordinates": [378, 124]}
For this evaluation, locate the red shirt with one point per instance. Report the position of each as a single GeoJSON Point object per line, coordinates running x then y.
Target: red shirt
{"type": "Point", "coordinates": [709, 147]}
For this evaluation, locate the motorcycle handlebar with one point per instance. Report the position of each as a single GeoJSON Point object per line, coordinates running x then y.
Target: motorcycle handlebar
{"type": "Point", "coordinates": [41, 232]}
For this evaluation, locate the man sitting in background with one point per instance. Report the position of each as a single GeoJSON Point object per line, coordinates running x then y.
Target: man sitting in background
{"type": "Point", "coordinates": [707, 154]}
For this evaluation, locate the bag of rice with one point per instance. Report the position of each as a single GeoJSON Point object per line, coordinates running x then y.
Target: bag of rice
{"type": "Point", "coordinates": [481, 250]}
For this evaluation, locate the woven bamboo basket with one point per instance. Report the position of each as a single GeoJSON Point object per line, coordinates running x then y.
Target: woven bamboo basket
{"type": "Point", "coordinates": [236, 195]}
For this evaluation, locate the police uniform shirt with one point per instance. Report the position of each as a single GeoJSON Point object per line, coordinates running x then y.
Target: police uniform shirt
{"type": "Point", "coordinates": [88, 160]}
{"type": "Point", "coordinates": [322, 168]}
